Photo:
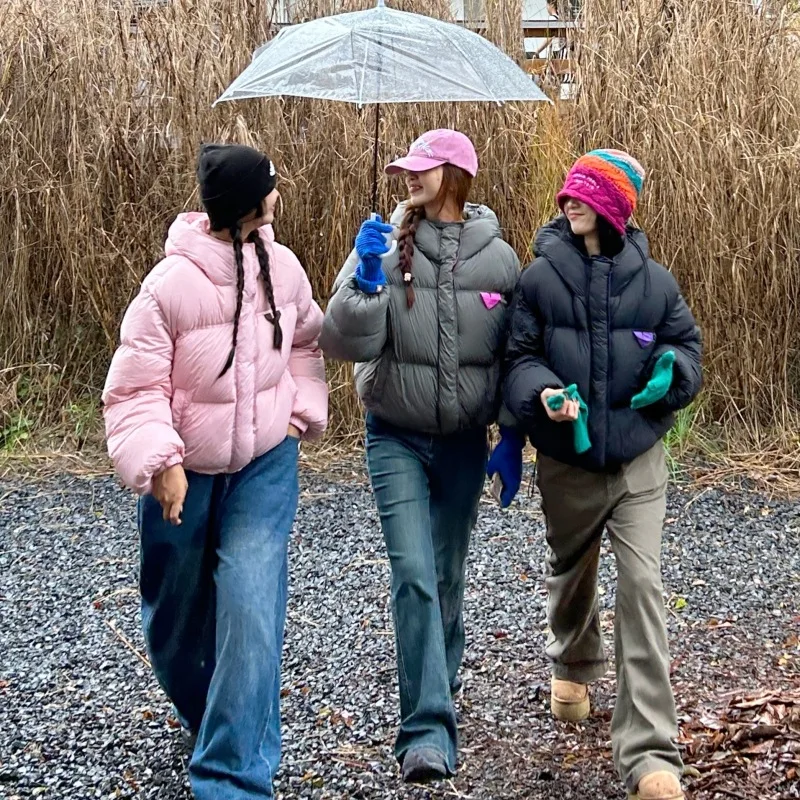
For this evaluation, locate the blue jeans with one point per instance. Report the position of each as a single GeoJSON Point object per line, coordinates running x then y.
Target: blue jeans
{"type": "Point", "coordinates": [427, 489]}
{"type": "Point", "coordinates": [213, 611]}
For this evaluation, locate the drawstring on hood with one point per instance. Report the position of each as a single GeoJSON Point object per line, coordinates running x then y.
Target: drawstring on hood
{"type": "Point", "coordinates": [648, 280]}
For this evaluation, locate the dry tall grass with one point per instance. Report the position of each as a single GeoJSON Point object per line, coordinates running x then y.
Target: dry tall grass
{"type": "Point", "coordinates": [99, 130]}
{"type": "Point", "coordinates": [707, 95]}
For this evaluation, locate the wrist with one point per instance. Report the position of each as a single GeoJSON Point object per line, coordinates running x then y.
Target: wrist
{"type": "Point", "coordinates": [370, 278]}
{"type": "Point", "coordinates": [512, 435]}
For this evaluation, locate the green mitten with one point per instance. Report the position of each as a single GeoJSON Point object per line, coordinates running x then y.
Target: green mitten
{"type": "Point", "coordinates": [659, 383]}
{"type": "Point", "coordinates": [580, 428]}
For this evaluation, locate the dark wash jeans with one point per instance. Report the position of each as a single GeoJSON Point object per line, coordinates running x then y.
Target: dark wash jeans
{"type": "Point", "coordinates": [427, 489]}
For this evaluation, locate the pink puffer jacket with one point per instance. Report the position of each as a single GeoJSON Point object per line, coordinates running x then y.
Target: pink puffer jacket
{"type": "Point", "coordinates": [164, 402]}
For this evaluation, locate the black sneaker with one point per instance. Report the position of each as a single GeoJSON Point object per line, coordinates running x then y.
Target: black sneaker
{"type": "Point", "coordinates": [424, 765]}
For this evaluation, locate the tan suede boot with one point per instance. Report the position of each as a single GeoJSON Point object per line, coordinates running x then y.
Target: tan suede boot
{"type": "Point", "coordinates": [659, 786]}
{"type": "Point", "coordinates": [569, 701]}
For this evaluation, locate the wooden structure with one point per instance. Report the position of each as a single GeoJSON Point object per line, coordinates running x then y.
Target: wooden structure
{"type": "Point", "coordinates": [539, 29]}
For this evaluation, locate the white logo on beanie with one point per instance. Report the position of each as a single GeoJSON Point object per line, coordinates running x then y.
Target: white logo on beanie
{"type": "Point", "coordinates": [272, 172]}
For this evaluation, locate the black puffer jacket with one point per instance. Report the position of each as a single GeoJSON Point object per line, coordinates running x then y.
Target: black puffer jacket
{"type": "Point", "coordinates": [602, 324]}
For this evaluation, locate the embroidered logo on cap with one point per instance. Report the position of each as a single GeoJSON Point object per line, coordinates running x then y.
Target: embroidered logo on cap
{"type": "Point", "coordinates": [422, 145]}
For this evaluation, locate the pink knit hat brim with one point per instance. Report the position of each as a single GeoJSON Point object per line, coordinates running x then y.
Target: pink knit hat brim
{"type": "Point", "coordinates": [593, 188]}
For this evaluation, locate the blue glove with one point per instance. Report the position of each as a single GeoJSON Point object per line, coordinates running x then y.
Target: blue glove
{"type": "Point", "coordinates": [507, 460]}
{"type": "Point", "coordinates": [370, 246]}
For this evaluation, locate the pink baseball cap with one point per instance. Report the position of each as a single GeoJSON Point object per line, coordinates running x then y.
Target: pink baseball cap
{"type": "Point", "coordinates": [434, 148]}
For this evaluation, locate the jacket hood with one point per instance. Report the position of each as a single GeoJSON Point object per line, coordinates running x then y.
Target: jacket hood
{"type": "Point", "coordinates": [556, 243]}
{"type": "Point", "coordinates": [478, 229]}
{"type": "Point", "coordinates": [190, 236]}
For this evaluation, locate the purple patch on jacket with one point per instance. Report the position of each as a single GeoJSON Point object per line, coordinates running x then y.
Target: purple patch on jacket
{"type": "Point", "coordinates": [491, 299]}
{"type": "Point", "coordinates": [645, 338]}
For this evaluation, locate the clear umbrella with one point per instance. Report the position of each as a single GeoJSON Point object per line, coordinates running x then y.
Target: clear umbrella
{"type": "Point", "coordinates": [382, 56]}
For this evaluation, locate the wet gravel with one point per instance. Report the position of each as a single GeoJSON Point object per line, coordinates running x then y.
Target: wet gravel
{"type": "Point", "coordinates": [81, 716]}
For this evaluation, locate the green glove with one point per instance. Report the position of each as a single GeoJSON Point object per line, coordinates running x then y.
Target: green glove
{"type": "Point", "coordinates": [580, 428]}
{"type": "Point", "coordinates": [659, 383]}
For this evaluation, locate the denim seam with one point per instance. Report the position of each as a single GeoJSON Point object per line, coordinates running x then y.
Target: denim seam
{"type": "Point", "coordinates": [401, 664]}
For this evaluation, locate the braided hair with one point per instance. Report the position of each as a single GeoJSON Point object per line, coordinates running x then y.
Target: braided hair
{"type": "Point", "coordinates": [456, 184]}
{"type": "Point", "coordinates": [238, 257]}
{"type": "Point", "coordinates": [408, 230]}
{"type": "Point", "coordinates": [273, 316]}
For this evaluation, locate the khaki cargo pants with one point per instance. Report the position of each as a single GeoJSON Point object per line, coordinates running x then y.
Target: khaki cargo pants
{"type": "Point", "coordinates": [631, 504]}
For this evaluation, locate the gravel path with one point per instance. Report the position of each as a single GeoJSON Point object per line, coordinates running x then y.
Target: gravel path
{"type": "Point", "coordinates": [81, 716]}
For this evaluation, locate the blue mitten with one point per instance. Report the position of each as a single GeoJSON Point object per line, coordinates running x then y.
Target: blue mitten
{"type": "Point", "coordinates": [370, 246]}
{"type": "Point", "coordinates": [659, 383]}
{"type": "Point", "coordinates": [507, 460]}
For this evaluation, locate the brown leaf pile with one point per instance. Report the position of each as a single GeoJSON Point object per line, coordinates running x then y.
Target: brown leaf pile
{"type": "Point", "coordinates": [749, 749]}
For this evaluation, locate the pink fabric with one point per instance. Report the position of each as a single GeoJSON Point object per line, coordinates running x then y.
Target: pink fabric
{"type": "Point", "coordinates": [491, 299]}
{"type": "Point", "coordinates": [164, 402]}
{"type": "Point", "coordinates": [435, 148]}
{"type": "Point", "coordinates": [593, 188]}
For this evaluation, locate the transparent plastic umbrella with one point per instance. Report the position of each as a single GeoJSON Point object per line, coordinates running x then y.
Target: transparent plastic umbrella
{"type": "Point", "coordinates": [382, 56]}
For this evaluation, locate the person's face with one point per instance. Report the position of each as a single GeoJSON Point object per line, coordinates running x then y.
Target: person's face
{"type": "Point", "coordinates": [582, 219]}
{"type": "Point", "coordinates": [423, 187]}
{"type": "Point", "coordinates": [268, 206]}
{"type": "Point", "coordinates": [265, 215]}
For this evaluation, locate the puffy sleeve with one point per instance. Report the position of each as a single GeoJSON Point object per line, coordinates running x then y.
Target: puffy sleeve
{"type": "Point", "coordinates": [307, 367]}
{"type": "Point", "coordinates": [356, 325]}
{"type": "Point", "coordinates": [680, 333]}
{"type": "Point", "coordinates": [138, 418]}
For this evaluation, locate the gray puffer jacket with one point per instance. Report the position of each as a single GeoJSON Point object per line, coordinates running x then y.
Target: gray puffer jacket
{"type": "Point", "coordinates": [435, 367]}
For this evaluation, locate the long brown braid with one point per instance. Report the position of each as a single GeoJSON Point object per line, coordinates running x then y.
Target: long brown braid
{"type": "Point", "coordinates": [275, 316]}
{"type": "Point", "coordinates": [408, 230]}
{"type": "Point", "coordinates": [456, 184]}
{"type": "Point", "coordinates": [238, 256]}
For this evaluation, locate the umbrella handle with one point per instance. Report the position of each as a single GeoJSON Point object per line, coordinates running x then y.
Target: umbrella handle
{"type": "Point", "coordinates": [390, 240]}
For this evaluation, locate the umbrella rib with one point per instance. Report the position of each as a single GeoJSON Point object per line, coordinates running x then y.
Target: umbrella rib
{"type": "Point", "coordinates": [446, 34]}
{"type": "Point", "coordinates": [359, 83]}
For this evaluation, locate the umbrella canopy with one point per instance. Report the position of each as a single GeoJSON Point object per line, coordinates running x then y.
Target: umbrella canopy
{"type": "Point", "coordinates": [382, 56]}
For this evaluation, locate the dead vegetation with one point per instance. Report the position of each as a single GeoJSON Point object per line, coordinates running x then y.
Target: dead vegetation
{"type": "Point", "coordinates": [101, 119]}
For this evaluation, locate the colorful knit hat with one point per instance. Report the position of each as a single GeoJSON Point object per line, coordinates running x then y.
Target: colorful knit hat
{"type": "Point", "coordinates": [609, 182]}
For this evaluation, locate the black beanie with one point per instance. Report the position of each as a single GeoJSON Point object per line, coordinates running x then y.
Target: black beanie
{"type": "Point", "coordinates": [233, 179]}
